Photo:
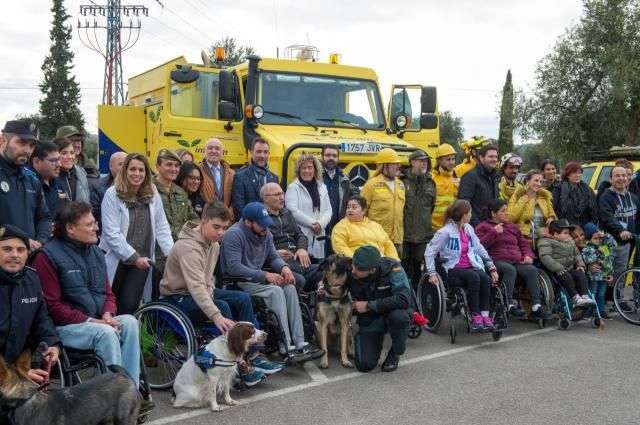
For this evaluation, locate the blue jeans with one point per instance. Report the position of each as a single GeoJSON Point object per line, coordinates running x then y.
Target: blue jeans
{"type": "Point", "coordinates": [599, 290]}
{"type": "Point", "coordinates": [234, 305]}
{"type": "Point", "coordinates": [122, 350]}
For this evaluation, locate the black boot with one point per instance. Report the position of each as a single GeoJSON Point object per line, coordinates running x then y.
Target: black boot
{"type": "Point", "coordinates": [391, 362]}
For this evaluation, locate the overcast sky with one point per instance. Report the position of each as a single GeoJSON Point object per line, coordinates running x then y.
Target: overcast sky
{"type": "Point", "coordinates": [464, 47]}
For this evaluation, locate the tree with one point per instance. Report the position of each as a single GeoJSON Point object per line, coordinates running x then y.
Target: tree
{"type": "Point", "coordinates": [234, 54]}
{"type": "Point", "coordinates": [505, 137]}
{"type": "Point", "coordinates": [587, 90]}
{"type": "Point", "coordinates": [60, 104]}
{"type": "Point", "coordinates": [451, 131]}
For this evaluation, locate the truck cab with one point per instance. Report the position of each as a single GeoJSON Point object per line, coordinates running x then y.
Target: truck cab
{"type": "Point", "coordinates": [297, 105]}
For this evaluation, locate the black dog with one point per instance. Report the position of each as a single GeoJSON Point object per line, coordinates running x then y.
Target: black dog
{"type": "Point", "coordinates": [108, 399]}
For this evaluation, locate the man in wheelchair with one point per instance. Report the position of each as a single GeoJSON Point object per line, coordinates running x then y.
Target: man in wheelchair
{"type": "Point", "coordinates": [380, 288]}
{"type": "Point", "coordinates": [247, 248]}
{"type": "Point", "coordinates": [75, 283]}
{"type": "Point", "coordinates": [189, 284]}
{"type": "Point", "coordinates": [23, 313]}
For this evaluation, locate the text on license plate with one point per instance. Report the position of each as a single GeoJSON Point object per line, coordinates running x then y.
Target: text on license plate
{"type": "Point", "coordinates": [361, 147]}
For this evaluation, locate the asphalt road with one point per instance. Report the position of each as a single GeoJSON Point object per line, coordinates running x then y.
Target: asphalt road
{"type": "Point", "coordinates": [532, 376]}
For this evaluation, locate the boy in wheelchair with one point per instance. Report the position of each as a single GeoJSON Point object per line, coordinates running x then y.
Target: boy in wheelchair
{"type": "Point", "coordinates": [465, 261]}
{"type": "Point", "coordinates": [560, 256]}
{"type": "Point", "coordinates": [189, 284]}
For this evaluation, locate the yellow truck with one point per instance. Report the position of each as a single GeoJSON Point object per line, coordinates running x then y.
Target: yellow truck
{"type": "Point", "coordinates": [297, 104]}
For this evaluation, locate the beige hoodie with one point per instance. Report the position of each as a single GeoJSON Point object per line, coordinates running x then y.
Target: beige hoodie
{"type": "Point", "coordinates": [189, 269]}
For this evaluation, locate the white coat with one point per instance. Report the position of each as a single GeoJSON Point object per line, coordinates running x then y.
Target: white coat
{"type": "Point", "coordinates": [115, 225]}
{"type": "Point", "coordinates": [298, 201]}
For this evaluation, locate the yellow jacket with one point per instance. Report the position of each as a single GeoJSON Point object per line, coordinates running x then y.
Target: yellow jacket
{"type": "Point", "coordinates": [462, 168]}
{"type": "Point", "coordinates": [506, 190]}
{"type": "Point", "coordinates": [385, 207]}
{"type": "Point", "coordinates": [521, 210]}
{"type": "Point", "coordinates": [347, 236]}
{"type": "Point", "coordinates": [447, 183]}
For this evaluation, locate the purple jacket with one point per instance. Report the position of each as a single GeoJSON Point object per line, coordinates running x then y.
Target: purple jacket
{"type": "Point", "coordinates": [510, 247]}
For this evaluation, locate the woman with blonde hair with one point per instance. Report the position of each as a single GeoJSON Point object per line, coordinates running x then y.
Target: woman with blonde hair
{"type": "Point", "coordinates": [531, 206]}
{"type": "Point", "coordinates": [133, 221]}
{"type": "Point", "coordinates": [308, 200]}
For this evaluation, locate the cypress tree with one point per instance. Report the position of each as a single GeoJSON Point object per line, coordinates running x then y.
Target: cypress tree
{"type": "Point", "coordinates": [505, 137]}
{"type": "Point", "coordinates": [60, 103]}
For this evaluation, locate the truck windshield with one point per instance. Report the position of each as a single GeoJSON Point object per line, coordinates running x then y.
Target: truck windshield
{"type": "Point", "coordinates": [314, 98]}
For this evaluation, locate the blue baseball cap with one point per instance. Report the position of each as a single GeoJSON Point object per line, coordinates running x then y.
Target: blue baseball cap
{"type": "Point", "coordinates": [256, 211]}
{"type": "Point", "coordinates": [590, 229]}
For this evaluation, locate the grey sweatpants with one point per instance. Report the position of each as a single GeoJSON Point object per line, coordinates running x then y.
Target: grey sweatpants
{"type": "Point", "coordinates": [620, 258]}
{"type": "Point", "coordinates": [283, 301]}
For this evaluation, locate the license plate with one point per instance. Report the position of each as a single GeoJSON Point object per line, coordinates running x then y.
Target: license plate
{"type": "Point", "coordinates": [361, 147]}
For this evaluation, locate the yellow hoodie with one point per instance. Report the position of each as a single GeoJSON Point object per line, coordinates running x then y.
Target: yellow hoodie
{"type": "Point", "coordinates": [347, 236]}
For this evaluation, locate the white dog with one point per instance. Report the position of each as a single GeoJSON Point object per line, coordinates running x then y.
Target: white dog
{"type": "Point", "coordinates": [196, 387]}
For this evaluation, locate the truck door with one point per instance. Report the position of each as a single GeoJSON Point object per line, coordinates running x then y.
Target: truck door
{"type": "Point", "coordinates": [195, 109]}
{"type": "Point", "coordinates": [120, 128]}
{"type": "Point", "coordinates": [419, 106]}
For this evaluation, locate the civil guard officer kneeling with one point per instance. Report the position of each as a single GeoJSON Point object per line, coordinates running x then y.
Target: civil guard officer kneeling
{"type": "Point", "coordinates": [380, 289]}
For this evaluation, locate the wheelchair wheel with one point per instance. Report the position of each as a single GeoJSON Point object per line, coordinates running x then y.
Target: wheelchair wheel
{"type": "Point", "coordinates": [309, 325]}
{"type": "Point", "coordinates": [452, 330]}
{"type": "Point", "coordinates": [597, 323]}
{"type": "Point", "coordinates": [496, 335]}
{"type": "Point", "coordinates": [414, 331]}
{"type": "Point", "coordinates": [626, 295]}
{"type": "Point", "coordinates": [546, 288]}
{"type": "Point", "coordinates": [167, 340]}
{"type": "Point", "coordinates": [564, 323]}
{"type": "Point", "coordinates": [431, 302]}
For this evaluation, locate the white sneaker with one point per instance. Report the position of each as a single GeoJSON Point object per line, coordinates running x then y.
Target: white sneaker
{"type": "Point", "coordinates": [579, 301]}
{"type": "Point", "coordinates": [588, 299]}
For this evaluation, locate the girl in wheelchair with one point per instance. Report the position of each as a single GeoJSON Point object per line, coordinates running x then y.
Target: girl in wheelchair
{"type": "Point", "coordinates": [465, 261]}
{"type": "Point", "coordinates": [559, 254]}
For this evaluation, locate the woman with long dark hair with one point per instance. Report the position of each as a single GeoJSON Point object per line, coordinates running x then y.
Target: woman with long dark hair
{"type": "Point", "coordinates": [190, 179]}
{"type": "Point", "coordinates": [573, 199]}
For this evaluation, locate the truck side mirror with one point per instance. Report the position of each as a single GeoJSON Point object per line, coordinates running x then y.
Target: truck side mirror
{"type": "Point", "coordinates": [227, 110]}
{"type": "Point", "coordinates": [429, 121]}
{"type": "Point", "coordinates": [428, 100]}
{"type": "Point", "coordinates": [227, 86]}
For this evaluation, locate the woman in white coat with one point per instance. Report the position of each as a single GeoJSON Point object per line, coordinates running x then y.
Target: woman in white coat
{"type": "Point", "coordinates": [307, 198]}
{"type": "Point", "coordinates": [133, 220]}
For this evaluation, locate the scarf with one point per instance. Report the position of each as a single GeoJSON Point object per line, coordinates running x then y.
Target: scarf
{"type": "Point", "coordinates": [574, 202]}
{"type": "Point", "coordinates": [312, 188]}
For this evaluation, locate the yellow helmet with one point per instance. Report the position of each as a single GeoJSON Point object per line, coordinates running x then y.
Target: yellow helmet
{"type": "Point", "coordinates": [444, 150]}
{"type": "Point", "coordinates": [387, 156]}
{"type": "Point", "coordinates": [475, 143]}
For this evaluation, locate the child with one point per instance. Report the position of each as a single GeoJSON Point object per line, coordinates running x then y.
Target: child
{"type": "Point", "coordinates": [597, 252]}
{"type": "Point", "coordinates": [560, 255]}
{"type": "Point", "coordinates": [578, 237]}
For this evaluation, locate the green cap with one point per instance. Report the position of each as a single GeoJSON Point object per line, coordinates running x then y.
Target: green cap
{"type": "Point", "coordinates": [366, 258]}
{"type": "Point", "coordinates": [165, 153]}
{"type": "Point", "coordinates": [68, 131]}
{"type": "Point", "coordinates": [418, 154]}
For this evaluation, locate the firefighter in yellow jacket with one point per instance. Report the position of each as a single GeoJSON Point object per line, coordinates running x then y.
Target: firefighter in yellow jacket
{"type": "Point", "coordinates": [384, 194]}
{"type": "Point", "coordinates": [447, 182]}
{"type": "Point", "coordinates": [471, 148]}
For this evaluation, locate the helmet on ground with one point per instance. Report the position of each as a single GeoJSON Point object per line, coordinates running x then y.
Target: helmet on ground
{"type": "Point", "coordinates": [510, 159]}
{"type": "Point", "coordinates": [387, 156]}
{"type": "Point", "coordinates": [445, 149]}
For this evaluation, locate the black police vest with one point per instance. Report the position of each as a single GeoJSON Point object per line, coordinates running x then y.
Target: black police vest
{"type": "Point", "coordinates": [83, 275]}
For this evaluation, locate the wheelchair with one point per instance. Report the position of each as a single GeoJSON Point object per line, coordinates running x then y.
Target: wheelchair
{"type": "Point", "coordinates": [435, 300]}
{"type": "Point", "coordinates": [547, 295]}
{"type": "Point", "coordinates": [626, 290]}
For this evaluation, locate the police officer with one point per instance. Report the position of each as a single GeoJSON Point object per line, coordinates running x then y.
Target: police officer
{"type": "Point", "coordinates": [380, 289]}
{"type": "Point", "coordinates": [23, 311]}
{"type": "Point", "coordinates": [19, 187]}
{"type": "Point", "coordinates": [175, 201]}
{"type": "Point", "coordinates": [420, 193]}
{"type": "Point", "coordinates": [385, 194]}
{"type": "Point", "coordinates": [82, 159]}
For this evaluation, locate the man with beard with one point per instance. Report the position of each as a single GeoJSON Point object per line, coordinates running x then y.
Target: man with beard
{"type": "Point", "coordinates": [19, 187]}
{"type": "Point", "coordinates": [338, 186]}
{"type": "Point", "coordinates": [510, 165]}
{"type": "Point", "coordinates": [480, 184]}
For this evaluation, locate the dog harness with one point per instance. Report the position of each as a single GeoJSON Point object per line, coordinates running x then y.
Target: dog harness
{"type": "Point", "coordinates": [324, 298]}
{"type": "Point", "coordinates": [205, 360]}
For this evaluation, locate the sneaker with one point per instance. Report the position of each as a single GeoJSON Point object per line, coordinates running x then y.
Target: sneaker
{"type": "Point", "coordinates": [391, 362]}
{"type": "Point", "coordinates": [146, 406]}
{"type": "Point", "coordinates": [295, 357]}
{"type": "Point", "coordinates": [261, 364]}
{"type": "Point", "coordinates": [488, 323]}
{"type": "Point", "coordinates": [250, 376]}
{"type": "Point", "coordinates": [541, 313]}
{"type": "Point", "coordinates": [477, 323]}
{"type": "Point", "coordinates": [588, 299]}
{"type": "Point", "coordinates": [516, 311]}
{"type": "Point", "coordinates": [419, 319]}
{"type": "Point", "coordinates": [624, 306]}
{"type": "Point", "coordinates": [605, 316]}
{"type": "Point", "coordinates": [579, 301]}
{"type": "Point", "coordinates": [313, 351]}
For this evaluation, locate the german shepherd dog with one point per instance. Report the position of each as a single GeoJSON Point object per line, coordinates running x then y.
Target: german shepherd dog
{"type": "Point", "coordinates": [334, 309]}
{"type": "Point", "coordinates": [108, 399]}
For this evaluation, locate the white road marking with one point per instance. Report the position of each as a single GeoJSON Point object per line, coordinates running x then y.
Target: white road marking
{"type": "Point", "coordinates": [322, 381]}
{"type": "Point", "coordinates": [314, 372]}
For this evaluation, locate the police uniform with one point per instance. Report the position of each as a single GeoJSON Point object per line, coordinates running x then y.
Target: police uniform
{"type": "Point", "coordinates": [388, 311]}
{"type": "Point", "coordinates": [23, 311]}
{"type": "Point", "coordinates": [54, 194]}
{"type": "Point", "coordinates": [21, 195]}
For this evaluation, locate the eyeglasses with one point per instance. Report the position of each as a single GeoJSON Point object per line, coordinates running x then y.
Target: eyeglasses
{"type": "Point", "coordinates": [275, 194]}
{"type": "Point", "coordinates": [53, 160]}
{"type": "Point", "coordinates": [194, 178]}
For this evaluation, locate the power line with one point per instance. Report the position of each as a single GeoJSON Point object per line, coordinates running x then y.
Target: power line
{"type": "Point", "coordinates": [212, 15]}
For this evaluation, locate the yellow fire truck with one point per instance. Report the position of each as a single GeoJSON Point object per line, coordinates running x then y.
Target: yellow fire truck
{"type": "Point", "coordinates": [297, 104]}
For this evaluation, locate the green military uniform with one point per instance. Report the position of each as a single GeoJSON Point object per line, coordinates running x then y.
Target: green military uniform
{"type": "Point", "coordinates": [388, 311]}
{"type": "Point", "coordinates": [89, 165]}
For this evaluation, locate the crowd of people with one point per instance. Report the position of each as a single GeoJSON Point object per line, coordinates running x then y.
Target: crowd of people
{"type": "Point", "coordinates": [101, 246]}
